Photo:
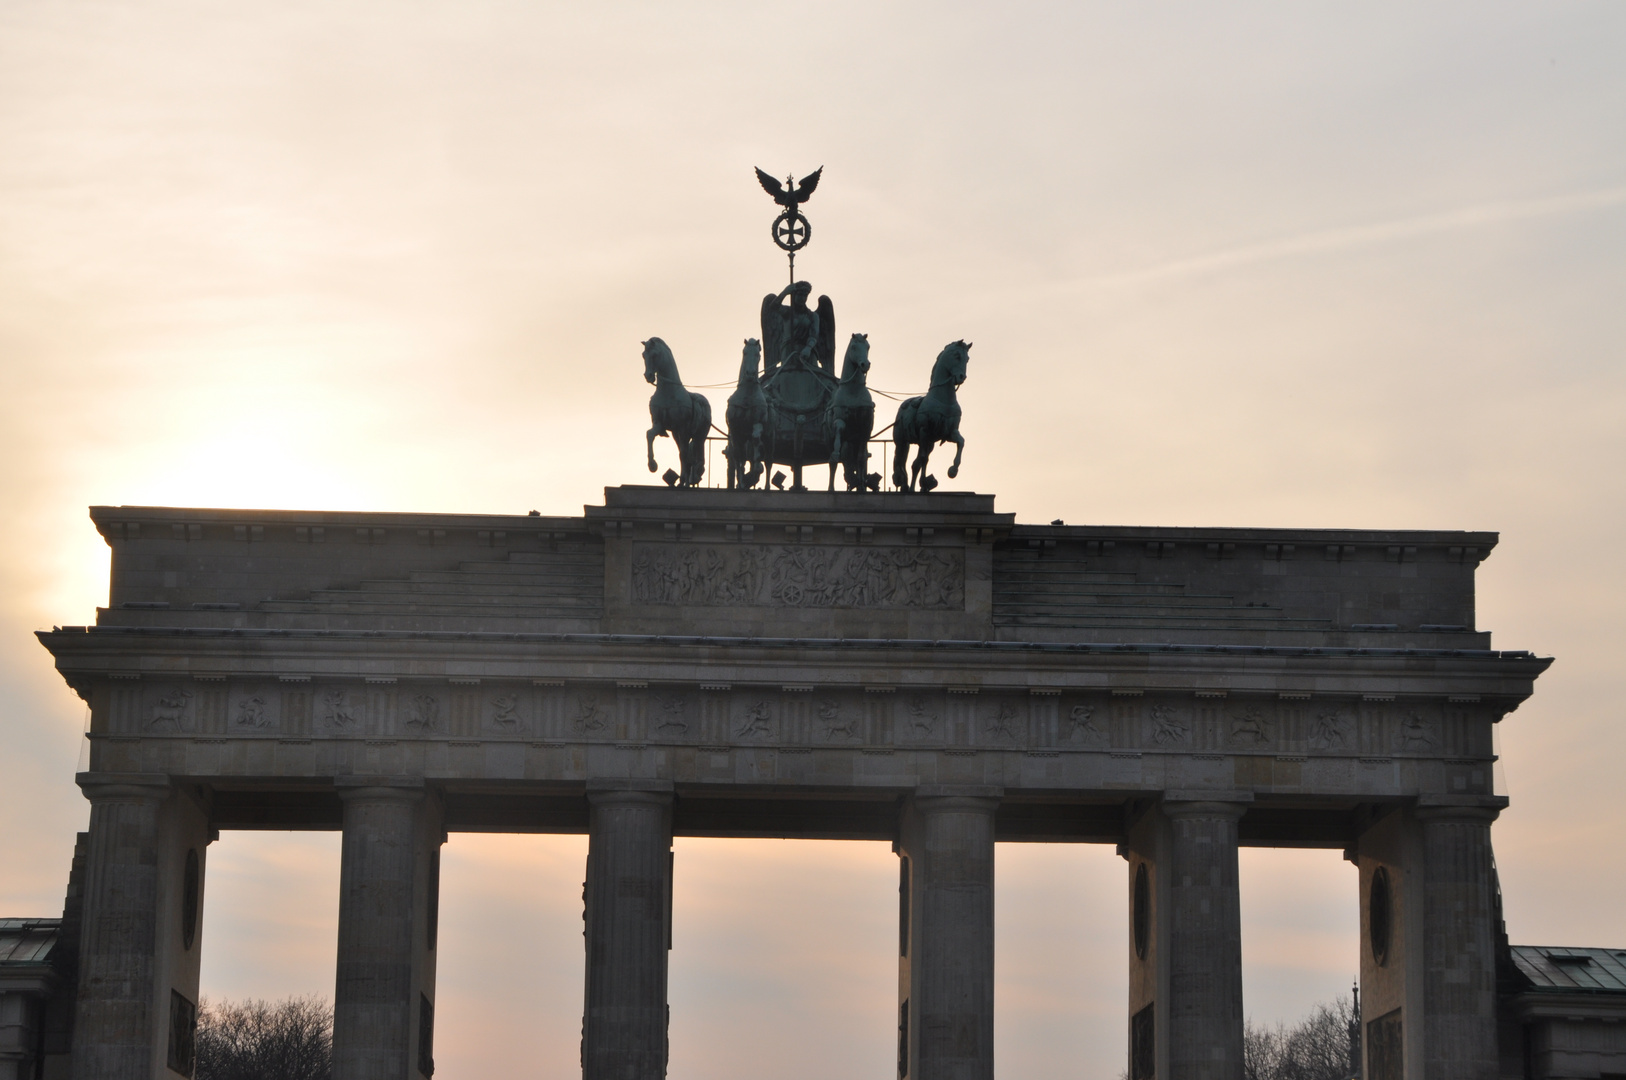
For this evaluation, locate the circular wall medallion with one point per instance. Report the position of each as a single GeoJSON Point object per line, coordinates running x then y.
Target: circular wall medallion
{"type": "Point", "coordinates": [1380, 916]}
{"type": "Point", "coordinates": [189, 900]}
{"type": "Point", "coordinates": [1143, 911]}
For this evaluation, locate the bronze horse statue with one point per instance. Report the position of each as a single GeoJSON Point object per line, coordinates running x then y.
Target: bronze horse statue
{"type": "Point", "coordinates": [684, 415]}
{"type": "Point", "coordinates": [747, 416]}
{"type": "Point", "coordinates": [850, 417]}
{"type": "Point", "coordinates": [923, 422]}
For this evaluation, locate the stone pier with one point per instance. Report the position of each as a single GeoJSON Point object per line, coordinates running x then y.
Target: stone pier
{"type": "Point", "coordinates": [628, 929]}
{"type": "Point", "coordinates": [140, 946]}
{"type": "Point", "coordinates": [384, 993]}
{"type": "Point", "coordinates": [946, 985]}
{"type": "Point", "coordinates": [1205, 939]}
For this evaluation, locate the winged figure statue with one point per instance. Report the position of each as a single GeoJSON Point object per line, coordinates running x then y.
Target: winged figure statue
{"type": "Point", "coordinates": [795, 336]}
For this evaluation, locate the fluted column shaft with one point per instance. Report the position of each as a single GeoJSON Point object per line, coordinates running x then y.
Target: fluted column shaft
{"type": "Point", "coordinates": [381, 936]}
{"type": "Point", "coordinates": [1459, 959]}
{"type": "Point", "coordinates": [628, 931]}
{"type": "Point", "coordinates": [116, 1020]}
{"type": "Point", "coordinates": [950, 989]}
{"type": "Point", "coordinates": [1205, 942]}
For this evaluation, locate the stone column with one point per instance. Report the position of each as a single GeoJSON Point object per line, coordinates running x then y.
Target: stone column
{"type": "Point", "coordinates": [946, 984]}
{"type": "Point", "coordinates": [1205, 941]}
{"type": "Point", "coordinates": [1428, 952]}
{"type": "Point", "coordinates": [141, 939]}
{"type": "Point", "coordinates": [383, 997]}
{"type": "Point", "coordinates": [628, 928]}
{"type": "Point", "coordinates": [1459, 947]}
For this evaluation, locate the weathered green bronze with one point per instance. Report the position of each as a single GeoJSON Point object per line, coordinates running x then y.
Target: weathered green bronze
{"type": "Point", "coordinates": [684, 415]}
{"type": "Point", "coordinates": [788, 407]}
{"type": "Point", "coordinates": [923, 422]}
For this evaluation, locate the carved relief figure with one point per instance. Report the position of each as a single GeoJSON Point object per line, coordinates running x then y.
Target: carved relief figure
{"type": "Point", "coordinates": [1416, 733]}
{"type": "Point", "coordinates": [922, 718]}
{"type": "Point", "coordinates": [590, 715]}
{"type": "Point", "coordinates": [797, 576]}
{"type": "Point", "coordinates": [757, 719]}
{"type": "Point", "coordinates": [337, 712]}
{"type": "Point", "coordinates": [830, 714]}
{"type": "Point", "coordinates": [1000, 722]}
{"type": "Point", "coordinates": [1081, 724]}
{"type": "Point", "coordinates": [1250, 724]}
{"type": "Point", "coordinates": [672, 710]}
{"type": "Point", "coordinates": [505, 710]}
{"type": "Point", "coordinates": [251, 712]}
{"type": "Point", "coordinates": [170, 709]}
{"type": "Point", "coordinates": [1167, 727]}
{"type": "Point", "coordinates": [1329, 731]}
{"type": "Point", "coordinates": [423, 712]}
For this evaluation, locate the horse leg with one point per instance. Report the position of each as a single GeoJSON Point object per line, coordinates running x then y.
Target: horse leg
{"type": "Point", "coordinates": [650, 439]}
{"type": "Point", "coordinates": [959, 448]}
{"type": "Point", "coordinates": [900, 465]}
{"type": "Point", "coordinates": [692, 462]}
{"type": "Point", "coordinates": [922, 459]}
{"type": "Point", "coordinates": [835, 452]}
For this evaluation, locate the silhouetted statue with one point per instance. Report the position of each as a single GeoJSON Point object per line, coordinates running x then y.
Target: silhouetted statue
{"type": "Point", "coordinates": [923, 422]}
{"type": "Point", "coordinates": [747, 422]}
{"type": "Point", "coordinates": [677, 412]}
{"type": "Point", "coordinates": [851, 417]}
{"type": "Point", "coordinates": [796, 337]}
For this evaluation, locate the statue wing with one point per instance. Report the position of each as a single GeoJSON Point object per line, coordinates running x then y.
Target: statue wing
{"type": "Point", "coordinates": [824, 350]}
{"type": "Point", "coordinates": [773, 187]}
{"type": "Point", "coordinates": [773, 334]}
{"type": "Point", "coordinates": [805, 189]}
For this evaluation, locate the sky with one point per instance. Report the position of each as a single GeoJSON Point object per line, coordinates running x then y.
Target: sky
{"type": "Point", "coordinates": [1252, 264]}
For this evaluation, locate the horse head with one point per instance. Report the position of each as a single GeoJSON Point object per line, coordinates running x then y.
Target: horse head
{"type": "Point", "coordinates": [658, 360]}
{"type": "Point", "coordinates": [949, 369]}
{"type": "Point", "coordinates": [855, 364]}
{"type": "Point", "coordinates": [750, 360]}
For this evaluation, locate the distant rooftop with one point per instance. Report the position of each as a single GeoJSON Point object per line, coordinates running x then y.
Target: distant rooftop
{"type": "Point", "coordinates": [28, 941]}
{"type": "Point", "coordinates": [1572, 969]}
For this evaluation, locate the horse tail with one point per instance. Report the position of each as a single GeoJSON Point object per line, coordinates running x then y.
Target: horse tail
{"type": "Point", "coordinates": [702, 416]}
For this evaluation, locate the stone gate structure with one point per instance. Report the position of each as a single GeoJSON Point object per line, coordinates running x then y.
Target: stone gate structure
{"type": "Point", "coordinates": [912, 668]}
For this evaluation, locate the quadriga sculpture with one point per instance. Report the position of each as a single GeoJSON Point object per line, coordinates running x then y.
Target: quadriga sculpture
{"type": "Point", "coordinates": [923, 422]}
{"type": "Point", "coordinates": [851, 417]}
{"type": "Point", "coordinates": [674, 411]}
{"type": "Point", "coordinates": [747, 422]}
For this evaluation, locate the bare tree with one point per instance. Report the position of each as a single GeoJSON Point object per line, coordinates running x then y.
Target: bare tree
{"type": "Point", "coordinates": [259, 1040]}
{"type": "Point", "coordinates": [1316, 1048]}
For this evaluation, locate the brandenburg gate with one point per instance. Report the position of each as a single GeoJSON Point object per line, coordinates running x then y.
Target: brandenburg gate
{"type": "Point", "coordinates": [899, 666]}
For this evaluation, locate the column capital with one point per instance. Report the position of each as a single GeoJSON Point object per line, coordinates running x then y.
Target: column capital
{"type": "Point", "coordinates": [976, 792]}
{"type": "Point", "coordinates": [618, 791]}
{"type": "Point", "coordinates": [380, 788]}
{"type": "Point", "coordinates": [618, 783]}
{"type": "Point", "coordinates": [124, 787]}
{"type": "Point", "coordinates": [1463, 808]}
{"type": "Point", "coordinates": [1206, 804]}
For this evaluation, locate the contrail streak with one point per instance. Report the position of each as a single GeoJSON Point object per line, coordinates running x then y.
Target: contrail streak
{"type": "Point", "coordinates": [1361, 236]}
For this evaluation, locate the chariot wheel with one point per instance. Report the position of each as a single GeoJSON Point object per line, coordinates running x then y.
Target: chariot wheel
{"type": "Point", "coordinates": [791, 231]}
{"type": "Point", "coordinates": [791, 595]}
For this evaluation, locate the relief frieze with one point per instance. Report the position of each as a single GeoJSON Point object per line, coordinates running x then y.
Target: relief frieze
{"type": "Point", "coordinates": [928, 719]}
{"type": "Point", "coordinates": [797, 575]}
